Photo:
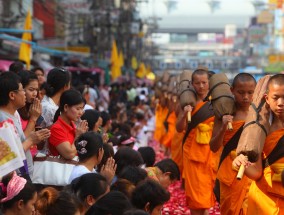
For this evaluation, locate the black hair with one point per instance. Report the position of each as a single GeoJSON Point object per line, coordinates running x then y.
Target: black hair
{"type": "Point", "coordinates": [66, 203]}
{"type": "Point", "coordinates": [16, 67]}
{"type": "Point", "coordinates": [200, 71]}
{"type": "Point", "coordinates": [57, 79]}
{"type": "Point", "coordinates": [114, 140]}
{"type": "Point", "coordinates": [44, 86]}
{"type": "Point", "coordinates": [108, 152]}
{"type": "Point", "coordinates": [151, 192]}
{"type": "Point", "coordinates": [122, 128]}
{"type": "Point", "coordinates": [124, 186]}
{"type": "Point", "coordinates": [113, 203]}
{"type": "Point", "coordinates": [148, 154]}
{"type": "Point", "coordinates": [27, 76]}
{"type": "Point", "coordinates": [137, 101]}
{"type": "Point", "coordinates": [93, 142]}
{"type": "Point", "coordinates": [9, 82]}
{"type": "Point", "coordinates": [168, 165]}
{"type": "Point", "coordinates": [276, 79]}
{"type": "Point", "coordinates": [26, 194]}
{"type": "Point", "coordinates": [69, 97]}
{"type": "Point", "coordinates": [135, 212]}
{"type": "Point", "coordinates": [92, 116]}
{"type": "Point", "coordinates": [89, 184]}
{"type": "Point", "coordinates": [134, 174]}
{"type": "Point", "coordinates": [126, 156]}
{"type": "Point", "coordinates": [105, 117]}
{"type": "Point", "coordinates": [33, 70]}
{"type": "Point", "coordinates": [140, 116]}
{"type": "Point", "coordinates": [243, 77]}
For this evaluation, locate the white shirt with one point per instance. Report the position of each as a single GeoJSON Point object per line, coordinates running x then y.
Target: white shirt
{"type": "Point", "coordinates": [88, 107]}
{"type": "Point", "coordinates": [78, 171]}
{"type": "Point", "coordinates": [48, 111]}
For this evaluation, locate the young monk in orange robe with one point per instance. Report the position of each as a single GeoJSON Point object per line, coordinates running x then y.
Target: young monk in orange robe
{"type": "Point", "coordinates": [170, 121]}
{"type": "Point", "coordinates": [197, 164]}
{"type": "Point", "coordinates": [232, 191]}
{"type": "Point", "coordinates": [176, 145]}
{"type": "Point", "coordinates": [167, 138]}
{"type": "Point", "coordinates": [160, 116]}
{"type": "Point", "coordinates": [266, 194]}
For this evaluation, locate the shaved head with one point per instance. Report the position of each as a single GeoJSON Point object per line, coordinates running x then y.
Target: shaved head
{"type": "Point", "coordinates": [275, 80]}
{"type": "Point", "coordinates": [243, 77]}
{"type": "Point", "coordinates": [200, 71]}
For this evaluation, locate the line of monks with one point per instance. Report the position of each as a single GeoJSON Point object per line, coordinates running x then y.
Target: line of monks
{"type": "Point", "coordinates": [197, 149]}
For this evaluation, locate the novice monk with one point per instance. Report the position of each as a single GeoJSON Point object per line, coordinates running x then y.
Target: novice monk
{"type": "Point", "coordinates": [266, 194]}
{"type": "Point", "coordinates": [197, 157]}
{"type": "Point", "coordinates": [233, 191]}
{"type": "Point", "coordinates": [170, 122]}
{"type": "Point", "coordinates": [161, 114]}
{"type": "Point", "coordinates": [176, 145]}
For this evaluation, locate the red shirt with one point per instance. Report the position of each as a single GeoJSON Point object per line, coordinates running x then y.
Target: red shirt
{"type": "Point", "coordinates": [60, 132]}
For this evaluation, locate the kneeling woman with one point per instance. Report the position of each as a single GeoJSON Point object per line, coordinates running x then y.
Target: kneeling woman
{"type": "Point", "coordinates": [63, 131]}
{"type": "Point", "coordinates": [18, 196]}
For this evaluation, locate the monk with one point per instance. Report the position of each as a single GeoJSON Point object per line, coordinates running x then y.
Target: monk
{"type": "Point", "coordinates": [266, 194]}
{"type": "Point", "coordinates": [197, 166]}
{"type": "Point", "coordinates": [176, 145]}
{"type": "Point", "coordinates": [161, 114]}
{"type": "Point", "coordinates": [170, 122]}
{"type": "Point", "coordinates": [232, 191]}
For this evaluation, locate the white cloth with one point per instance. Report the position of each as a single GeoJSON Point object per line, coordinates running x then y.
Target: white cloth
{"type": "Point", "coordinates": [104, 98]}
{"type": "Point", "coordinates": [78, 171]}
{"type": "Point", "coordinates": [48, 111]}
{"type": "Point", "coordinates": [143, 98]}
{"type": "Point", "coordinates": [17, 122]}
{"type": "Point", "coordinates": [88, 107]}
{"type": "Point", "coordinates": [93, 95]}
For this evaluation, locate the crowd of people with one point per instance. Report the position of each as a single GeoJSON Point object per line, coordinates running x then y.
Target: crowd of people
{"type": "Point", "coordinates": [110, 136]}
{"type": "Point", "coordinates": [105, 131]}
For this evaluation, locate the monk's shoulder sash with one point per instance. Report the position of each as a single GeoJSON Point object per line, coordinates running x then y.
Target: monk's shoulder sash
{"type": "Point", "coordinates": [204, 113]}
{"type": "Point", "coordinates": [231, 145]}
{"type": "Point", "coordinates": [276, 153]}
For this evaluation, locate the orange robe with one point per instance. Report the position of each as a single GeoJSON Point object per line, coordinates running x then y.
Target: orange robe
{"type": "Point", "coordinates": [198, 166]}
{"type": "Point", "coordinates": [233, 192]}
{"type": "Point", "coordinates": [176, 148]}
{"type": "Point", "coordinates": [160, 116]}
{"type": "Point", "coordinates": [167, 138]}
{"type": "Point", "coordinates": [266, 196]}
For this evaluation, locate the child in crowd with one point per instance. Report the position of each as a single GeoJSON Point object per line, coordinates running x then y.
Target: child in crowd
{"type": "Point", "coordinates": [89, 188]}
{"type": "Point", "coordinates": [124, 186]}
{"type": "Point", "coordinates": [90, 152]}
{"type": "Point", "coordinates": [18, 195]}
{"type": "Point", "coordinates": [148, 154]}
{"type": "Point", "coordinates": [134, 174]}
{"type": "Point", "coordinates": [94, 120]}
{"type": "Point", "coordinates": [113, 203]}
{"type": "Point", "coordinates": [150, 196]}
{"type": "Point", "coordinates": [126, 156]}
